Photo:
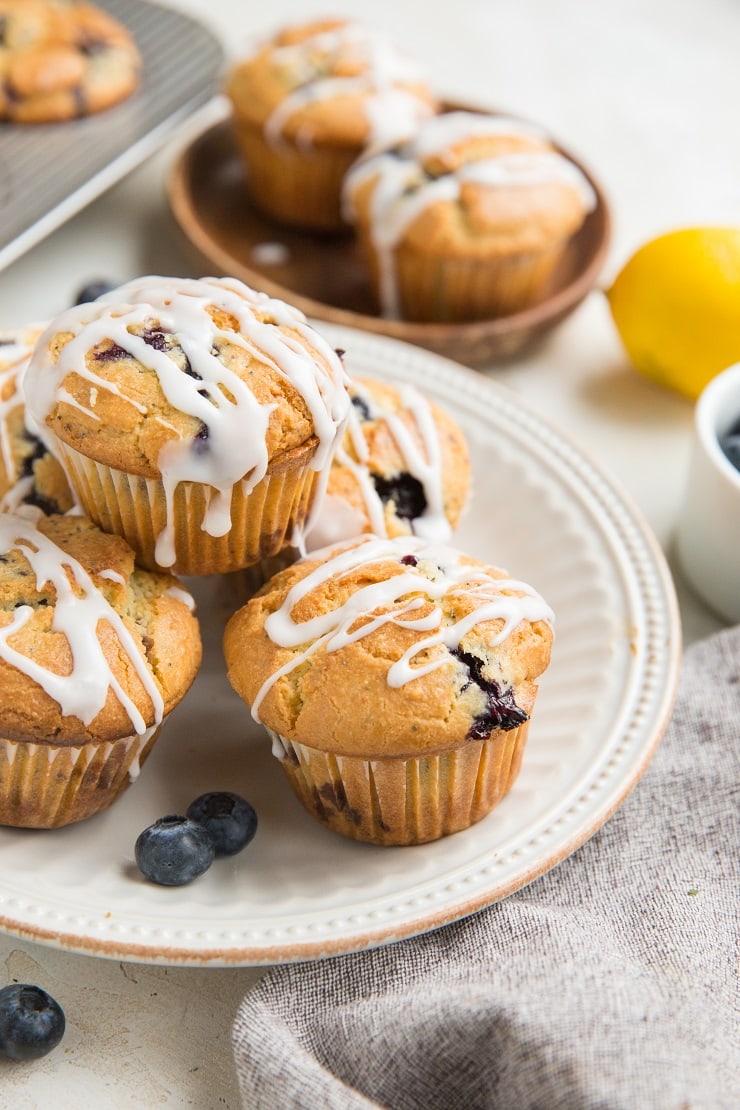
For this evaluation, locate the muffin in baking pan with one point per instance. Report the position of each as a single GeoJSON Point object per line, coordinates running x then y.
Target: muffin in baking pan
{"type": "Point", "coordinates": [62, 59]}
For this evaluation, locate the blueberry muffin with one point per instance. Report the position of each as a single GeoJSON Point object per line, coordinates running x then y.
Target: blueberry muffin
{"type": "Point", "coordinates": [61, 59]}
{"type": "Point", "coordinates": [94, 655]}
{"type": "Point", "coordinates": [397, 678]}
{"type": "Point", "coordinates": [192, 417]}
{"type": "Point", "coordinates": [308, 103]}
{"type": "Point", "coordinates": [401, 469]}
{"type": "Point", "coordinates": [29, 474]}
{"type": "Point", "coordinates": [466, 221]}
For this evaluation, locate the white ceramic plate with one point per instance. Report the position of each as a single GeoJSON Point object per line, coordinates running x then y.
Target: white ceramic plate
{"type": "Point", "coordinates": [299, 891]}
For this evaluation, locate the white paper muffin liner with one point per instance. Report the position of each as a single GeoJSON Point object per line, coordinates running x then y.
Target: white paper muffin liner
{"type": "Point", "coordinates": [403, 801]}
{"type": "Point", "coordinates": [262, 521]}
{"type": "Point", "coordinates": [43, 786]}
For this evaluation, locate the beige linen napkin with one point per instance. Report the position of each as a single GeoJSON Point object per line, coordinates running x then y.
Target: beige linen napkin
{"type": "Point", "coordinates": [608, 983]}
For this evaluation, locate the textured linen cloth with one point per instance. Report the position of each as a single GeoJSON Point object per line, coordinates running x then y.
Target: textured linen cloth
{"type": "Point", "coordinates": [609, 982]}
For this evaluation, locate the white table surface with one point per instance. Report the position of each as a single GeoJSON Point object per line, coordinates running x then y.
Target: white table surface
{"type": "Point", "coordinates": [646, 93]}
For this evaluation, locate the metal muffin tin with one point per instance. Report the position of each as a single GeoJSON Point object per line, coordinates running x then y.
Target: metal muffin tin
{"type": "Point", "coordinates": [48, 172]}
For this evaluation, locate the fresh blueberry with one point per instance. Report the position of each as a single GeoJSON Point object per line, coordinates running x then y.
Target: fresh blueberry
{"type": "Point", "coordinates": [174, 851]}
{"type": "Point", "coordinates": [730, 444]}
{"type": "Point", "coordinates": [230, 820]}
{"type": "Point", "coordinates": [31, 1022]}
{"type": "Point", "coordinates": [93, 290]}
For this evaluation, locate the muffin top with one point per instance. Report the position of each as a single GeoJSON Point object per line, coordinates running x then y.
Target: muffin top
{"type": "Point", "coordinates": [91, 647]}
{"type": "Point", "coordinates": [202, 381]}
{"type": "Point", "coordinates": [29, 474]}
{"type": "Point", "coordinates": [389, 647]}
{"type": "Point", "coordinates": [467, 185]}
{"type": "Point", "coordinates": [402, 468]}
{"type": "Point", "coordinates": [331, 82]}
{"type": "Point", "coordinates": [60, 59]}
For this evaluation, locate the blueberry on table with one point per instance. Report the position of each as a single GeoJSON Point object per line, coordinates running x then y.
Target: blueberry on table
{"type": "Point", "coordinates": [93, 290]}
{"type": "Point", "coordinates": [229, 818]}
{"type": "Point", "coordinates": [31, 1022]}
{"type": "Point", "coordinates": [174, 851]}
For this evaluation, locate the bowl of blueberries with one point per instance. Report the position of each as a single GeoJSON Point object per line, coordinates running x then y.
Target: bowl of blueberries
{"type": "Point", "coordinates": [708, 534]}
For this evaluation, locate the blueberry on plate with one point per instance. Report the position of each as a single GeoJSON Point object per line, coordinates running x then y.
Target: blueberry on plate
{"type": "Point", "coordinates": [230, 819]}
{"type": "Point", "coordinates": [174, 851]}
{"type": "Point", "coordinates": [31, 1022]}
{"type": "Point", "coordinates": [93, 290]}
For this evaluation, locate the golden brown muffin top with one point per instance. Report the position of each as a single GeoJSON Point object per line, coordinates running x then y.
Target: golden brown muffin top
{"type": "Point", "coordinates": [91, 647]}
{"type": "Point", "coordinates": [29, 474]}
{"type": "Point", "coordinates": [389, 648]}
{"type": "Point", "coordinates": [188, 380]}
{"type": "Point", "coordinates": [60, 59]}
{"type": "Point", "coordinates": [332, 82]}
{"type": "Point", "coordinates": [469, 184]}
{"type": "Point", "coordinates": [402, 468]}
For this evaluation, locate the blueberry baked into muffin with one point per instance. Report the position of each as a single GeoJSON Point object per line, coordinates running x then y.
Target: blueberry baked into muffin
{"type": "Point", "coordinates": [29, 474]}
{"type": "Point", "coordinates": [308, 103]}
{"type": "Point", "coordinates": [397, 678]}
{"type": "Point", "coordinates": [195, 418]}
{"type": "Point", "coordinates": [94, 655]}
{"type": "Point", "coordinates": [62, 59]}
{"type": "Point", "coordinates": [467, 220]}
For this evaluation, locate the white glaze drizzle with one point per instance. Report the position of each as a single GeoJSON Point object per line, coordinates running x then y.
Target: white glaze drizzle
{"type": "Point", "coordinates": [409, 590]}
{"type": "Point", "coordinates": [336, 520]}
{"type": "Point", "coordinates": [112, 576]}
{"type": "Point", "coordinates": [13, 498]}
{"type": "Point", "coordinates": [78, 609]}
{"type": "Point", "coordinates": [237, 423]}
{"type": "Point", "coordinates": [182, 595]}
{"type": "Point", "coordinates": [392, 111]}
{"type": "Point", "coordinates": [402, 189]}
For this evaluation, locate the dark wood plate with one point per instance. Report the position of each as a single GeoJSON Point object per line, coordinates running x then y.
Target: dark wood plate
{"type": "Point", "coordinates": [324, 275]}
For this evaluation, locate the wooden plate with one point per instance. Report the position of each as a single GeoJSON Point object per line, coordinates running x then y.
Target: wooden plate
{"type": "Point", "coordinates": [324, 275]}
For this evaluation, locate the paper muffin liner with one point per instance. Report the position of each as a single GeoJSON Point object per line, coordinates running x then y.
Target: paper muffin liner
{"type": "Point", "coordinates": [45, 786]}
{"type": "Point", "coordinates": [440, 289]}
{"type": "Point", "coordinates": [262, 521]}
{"type": "Point", "coordinates": [298, 186]}
{"type": "Point", "coordinates": [403, 801]}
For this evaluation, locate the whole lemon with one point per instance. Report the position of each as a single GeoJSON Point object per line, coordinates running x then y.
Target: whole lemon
{"type": "Point", "coordinates": [676, 304]}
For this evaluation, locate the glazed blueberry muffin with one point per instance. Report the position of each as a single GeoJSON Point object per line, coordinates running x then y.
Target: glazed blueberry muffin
{"type": "Point", "coordinates": [466, 221]}
{"type": "Point", "coordinates": [195, 418]}
{"type": "Point", "coordinates": [308, 103]}
{"type": "Point", "coordinates": [60, 59]}
{"type": "Point", "coordinates": [396, 678]}
{"type": "Point", "coordinates": [94, 655]}
{"type": "Point", "coordinates": [29, 474]}
{"type": "Point", "coordinates": [401, 469]}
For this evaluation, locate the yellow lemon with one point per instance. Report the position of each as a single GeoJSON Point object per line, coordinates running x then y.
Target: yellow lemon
{"type": "Point", "coordinates": [676, 304]}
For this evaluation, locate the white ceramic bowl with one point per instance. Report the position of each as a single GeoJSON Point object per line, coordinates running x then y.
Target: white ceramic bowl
{"type": "Point", "coordinates": [708, 535]}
